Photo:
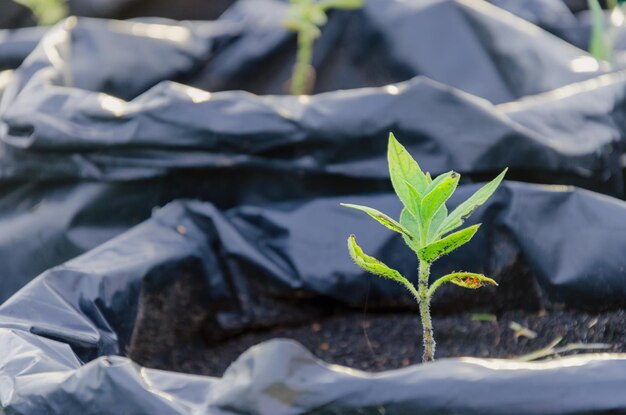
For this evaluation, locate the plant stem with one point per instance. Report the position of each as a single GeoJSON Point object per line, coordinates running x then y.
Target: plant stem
{"type": "Point", "coordinates": [302, 69]}
{"type": "Point", "coordinates": [427, 325]}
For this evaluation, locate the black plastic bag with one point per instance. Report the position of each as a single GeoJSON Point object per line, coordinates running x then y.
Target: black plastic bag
{"type": "Point", "coordinates": [170, 156]}
{"type": "Point", "coordinates": [14, 15]}
{"type": "Point", "coordinates": [70, 128]}
{"type": "Point", "coordinates": [16, 45]}
{"type": "Point", "coordinates": [84, 311]}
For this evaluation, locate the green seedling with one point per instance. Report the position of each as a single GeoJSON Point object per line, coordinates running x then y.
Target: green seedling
{"type": "Point", "coordinates": [426, 227]}
{"type": "Point", "coordinates": [46, 12]}
{"type": "Point", "coordinates": [599, 45]}
{"type": "Point", "coordinates": [602, 40]}
{"type": "Point", "coordinates": [484, 317]}
{"type": "Point", "coordinates": [306, 17]}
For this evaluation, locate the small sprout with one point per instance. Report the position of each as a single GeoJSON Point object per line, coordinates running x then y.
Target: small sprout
{"type": "Point", "coordinates": [483, 317]}
{"type": "Point", "coordinates": [425, 225]}
{"type": "Point", "coordinates": [305, 18]}
{"type": "Point", "coordinates": [521, 331]}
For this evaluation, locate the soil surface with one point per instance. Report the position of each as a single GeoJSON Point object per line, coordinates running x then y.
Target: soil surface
{"type": "Point", "coordinates": [166, 337]}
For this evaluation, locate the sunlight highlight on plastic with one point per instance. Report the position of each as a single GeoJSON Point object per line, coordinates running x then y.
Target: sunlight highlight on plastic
{"type": "Point", "coordinates": [585, 64]}
{"type": "Point", "coordinates": [154, 31]}
{"type": "Point", "coordinates": [195, 94]}
{"type": "Point", "coordinates": [116, 106]}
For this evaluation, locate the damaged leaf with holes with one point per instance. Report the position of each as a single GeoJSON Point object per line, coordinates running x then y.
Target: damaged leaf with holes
{"type": "Point", "coordinates": [428, 228]}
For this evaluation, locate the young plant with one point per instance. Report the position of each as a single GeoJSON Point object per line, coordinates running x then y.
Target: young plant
{"type": "Point", "coordinates": [305, 18]}
{"type": "Point", "coordinates": [425, 225]}
{"type": "Point", "coordinates": [599, 44]}
{"type": "Point", "coordinates": [603, 36]}
{"type": "Point", "coordinates": [46, 12]}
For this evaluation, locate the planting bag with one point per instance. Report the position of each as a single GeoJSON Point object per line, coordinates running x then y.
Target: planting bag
{"type": "Point", "coordinates": [387, 41]}
{"type": "Point", "coordinates": [63, 333]}
{"type": "Point", "coordinates": [88, 127]}
{"type": "Point", "coordinates": [569, 20]}
{"type": "Point", "coordinates": [14, 15]}
{"type": "Point", "coordinates": [16, 45]}
{"type": "Point", "coordinates": [264, 19]}
{"type": "Point", "coordinates": [124, 9]}
{"type": "Point", "coordinates": [65, 186]}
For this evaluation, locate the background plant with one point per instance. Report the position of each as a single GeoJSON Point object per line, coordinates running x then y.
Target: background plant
{"type": "Point", "coordinates": [46, 12]}
{"type": "Point", "coordinates": [602, 40]}
{"type": "Point", "coordinates": [425, 226]}
{"type": "Point", "coordinates": [306, 17]}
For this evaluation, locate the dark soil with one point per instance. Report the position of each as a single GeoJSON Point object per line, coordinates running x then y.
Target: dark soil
{"type": "Point", "coordinates": [175, 331]}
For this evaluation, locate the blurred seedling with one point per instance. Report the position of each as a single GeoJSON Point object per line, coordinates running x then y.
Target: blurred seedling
{"type": "Point", "coordinates": [603, 32]}
{"type": "Point", "coordinates": [483, 317]}
{"type": "Point", "coordinates": [46, 12]}
{"type": "Point", "coordinates": [306, 17]}
{"type": "Point", "coordinates": [426, 227]}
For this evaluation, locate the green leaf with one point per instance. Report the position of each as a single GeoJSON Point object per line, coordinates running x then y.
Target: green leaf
{"type": "Point", "coordinates": [404, 169]}
{"type": "Point", "coordinates": [599, 45]}
{"type": "Point", "coordinates": [411, 224]}
{"type": "Point", "coordinates": [341, 4]}
{"type": "Point", "coordinates": [465, 209]}
{"type": "Point", "coordinates": [415, 199]}
{"type": "Point", "coordinates": [436, 181]}
{"type": "Point", "coordinates": [381, 218]}
{"type": "Point", "coordinates": [293, 24]}
{"type": "Point", "coordinates": [317, 15]}
{"type": "Point", "coordinates": [463, 279]}
{"type": "Point", "coordinates": [435, 223]}
{"type": "Point", "coordinates": [438, 195]}
{"type": "Point", "coordinates": [47, 12]}
{"type": "Point", "coordinates": [434, 251]}
{"type": "Point", "coordinates": [371, 264]}
{"type": "Point", "coordinates": [470, 280]}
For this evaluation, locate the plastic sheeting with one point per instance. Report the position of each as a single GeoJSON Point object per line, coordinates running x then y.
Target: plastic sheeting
{"type": "Point", "coordinates": [125, 9]}
{"type": "Point", "coordinates": [553, 16]}
{"type": "Point", "coordinates": [16, 45]}
{"type": "Point", "coordinates": [573, 26]}
{"type": "Point", "coordinates": [406, 38]}
{"type": "Point", "coordinates": [506, 53]}
{"type": "Point", "coordinates": [14, 15]}
{"type": "Point", "coordinates": [172, 147]}
{"type": "Point", "coordinates": [85, 121]}
{"type": "Point", "coordinates": [84, 311]}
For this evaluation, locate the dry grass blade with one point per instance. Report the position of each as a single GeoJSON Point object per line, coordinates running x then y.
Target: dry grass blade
{"type": "Point", "coordinates": [552, 350]}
